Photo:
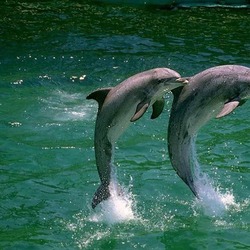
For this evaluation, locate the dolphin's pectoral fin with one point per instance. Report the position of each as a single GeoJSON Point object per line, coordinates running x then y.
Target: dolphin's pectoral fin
{"type": "Point", "coordinates": [99, 95]}
{"type": "Point", "coordinates": [228, 108]}
{"type": "Point", "coordinates": [102, 193]}
{"type": "Point", "coordinates": [176, 92]}
{"type": "Point", "coordinates": [140, 110]}
{"type": "Point", "coordinates": [158, 107]}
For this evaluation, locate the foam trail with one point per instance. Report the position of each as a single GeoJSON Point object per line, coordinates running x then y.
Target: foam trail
{"type": "Point", "coordinates": [210, 199]}
{"type": "Point", "coordinates": [118, 207]}
{"type": "Point", "coordinates": [213, 202]}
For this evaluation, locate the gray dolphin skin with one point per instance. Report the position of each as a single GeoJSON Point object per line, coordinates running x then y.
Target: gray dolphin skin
{"type": "Point", "coordinates": [121, 105]}
{"type": "Point", "coordinates": [214, 92]}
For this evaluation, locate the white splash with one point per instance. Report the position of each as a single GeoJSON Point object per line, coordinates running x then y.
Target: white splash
{"type": "Point", "coordinates": [66, 107]}
{"type": "Point", "coordinates": [117, 208]}
{"type": "Point", "coordinates": [211, 199]}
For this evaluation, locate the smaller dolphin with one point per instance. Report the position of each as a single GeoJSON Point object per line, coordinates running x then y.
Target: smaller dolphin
{"type": "Point", "coordinates": [121, 105]}
{"type": "Point", "coordinates": [215, 92]}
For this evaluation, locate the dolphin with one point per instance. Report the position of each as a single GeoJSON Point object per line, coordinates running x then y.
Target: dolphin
{"type": "Point", "coordinates": [121, 105]}
{"type": "Point", "coordinates": [215, 92]}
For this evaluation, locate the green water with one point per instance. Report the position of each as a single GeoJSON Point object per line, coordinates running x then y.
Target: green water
{"type": "Point", "coordinates": [54, 53]}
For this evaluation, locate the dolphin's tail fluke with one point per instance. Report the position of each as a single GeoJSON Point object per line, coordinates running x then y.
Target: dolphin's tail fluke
{"type": "Point", "coordinates": [188, 179]}
{"type": "Point", "coordinates": [102, 193]}
{"type": "Point", "coordinates": [193, 189]}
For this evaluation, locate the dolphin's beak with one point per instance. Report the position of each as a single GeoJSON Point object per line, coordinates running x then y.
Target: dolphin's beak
{"type": "Point", "coordinates": [183, 80]}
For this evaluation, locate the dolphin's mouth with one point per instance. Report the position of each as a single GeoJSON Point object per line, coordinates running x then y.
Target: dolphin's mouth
{"type": "Point", "coordinates": [183, 80]}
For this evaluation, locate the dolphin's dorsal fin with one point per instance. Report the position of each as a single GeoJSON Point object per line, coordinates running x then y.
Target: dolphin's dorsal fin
{"type": "Point", "coordinates": [158, 107]}
{"type": "Point", "coordinates": [140, 110]}
{"type": "Point", "coordinates": [99, 95]}
{"type": "Point", "coordinates": [228, 108]}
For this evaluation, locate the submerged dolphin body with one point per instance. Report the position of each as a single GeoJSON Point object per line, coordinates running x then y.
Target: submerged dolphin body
{"type": "Point", "coordinates": [214, 92]}
{"type": "Point", "coordinates": [121, 105]}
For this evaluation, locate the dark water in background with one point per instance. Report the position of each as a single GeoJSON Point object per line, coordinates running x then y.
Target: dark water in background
{"type": "Point", "coordinates": [52, 55]}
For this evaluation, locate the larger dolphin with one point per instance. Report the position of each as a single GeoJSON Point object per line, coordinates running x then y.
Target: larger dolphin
{"type": "Point", "coordinates": [214, 92]}
{"type": "Point", "coordinates": [121, 105]}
